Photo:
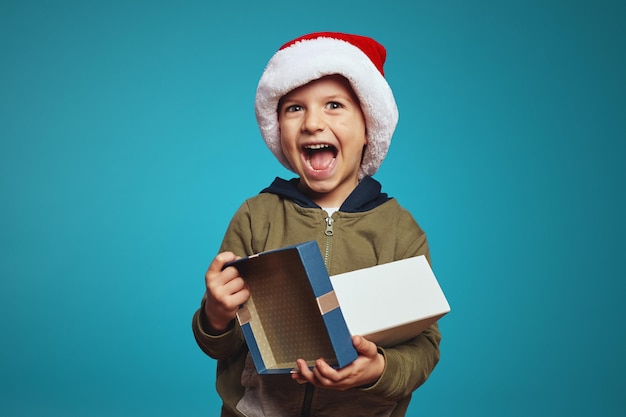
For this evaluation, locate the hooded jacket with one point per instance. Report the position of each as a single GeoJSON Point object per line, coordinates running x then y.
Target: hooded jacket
{"type": "Point", "coordinates": [369, 229]}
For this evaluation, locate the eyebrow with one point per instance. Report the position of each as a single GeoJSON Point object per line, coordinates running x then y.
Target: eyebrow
{"type": "Point", "coordinates": [331, 97]}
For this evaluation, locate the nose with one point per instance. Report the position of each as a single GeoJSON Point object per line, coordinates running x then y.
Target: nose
{"type": "Point", "coordinates": [314, 121]}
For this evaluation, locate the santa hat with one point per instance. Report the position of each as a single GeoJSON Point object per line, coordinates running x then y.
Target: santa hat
{"type": "Point", "coordinates": [359, 59]}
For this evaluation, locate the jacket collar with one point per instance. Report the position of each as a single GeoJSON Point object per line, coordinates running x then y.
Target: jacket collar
{"type": "Point", "coordinates": [366, 196]}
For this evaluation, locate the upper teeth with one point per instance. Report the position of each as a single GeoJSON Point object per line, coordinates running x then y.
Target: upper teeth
{"type": "Point", "coordinates": [318, 146]}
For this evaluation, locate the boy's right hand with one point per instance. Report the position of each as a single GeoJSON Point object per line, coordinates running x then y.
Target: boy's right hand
{"type": "Point", "coordinates": [225, 291]}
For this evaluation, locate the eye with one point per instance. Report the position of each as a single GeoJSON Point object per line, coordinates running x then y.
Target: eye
{"type": "Point", "coordinates": [334, 105]}
{"type": "Point", "coordinates": [293, 108]}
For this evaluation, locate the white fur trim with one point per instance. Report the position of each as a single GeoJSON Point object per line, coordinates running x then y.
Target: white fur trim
{"type": "Point", "coordinates": [309, 60]}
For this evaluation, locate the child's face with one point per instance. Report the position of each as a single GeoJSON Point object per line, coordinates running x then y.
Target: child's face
{"type": "Point", "coordinates": [322, 132]}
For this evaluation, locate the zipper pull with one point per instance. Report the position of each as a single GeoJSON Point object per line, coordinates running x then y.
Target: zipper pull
{"type": "Point", "coordinates": [329, 226]}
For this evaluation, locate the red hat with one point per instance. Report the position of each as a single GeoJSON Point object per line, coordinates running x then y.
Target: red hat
{"type": "Point", "coordinates": [358, 58]}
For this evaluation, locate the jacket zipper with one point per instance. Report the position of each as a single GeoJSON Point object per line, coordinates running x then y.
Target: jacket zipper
{"type": "Point", "coordinates": [308, 399]}
{"type": "Point", "coordinates": [329, 232]}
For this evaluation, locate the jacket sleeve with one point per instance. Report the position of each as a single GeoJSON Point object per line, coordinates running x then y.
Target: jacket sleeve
{"type": "Point", "coordinates": [408, 365]}
{"type": "Point", "coordinates": [224, 345]}
{"type": "Point", "coordinates": [220, 346]}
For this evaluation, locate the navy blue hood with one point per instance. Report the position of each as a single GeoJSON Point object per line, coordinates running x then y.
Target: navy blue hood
{"type": "Point", "coordinates": [366, 196]}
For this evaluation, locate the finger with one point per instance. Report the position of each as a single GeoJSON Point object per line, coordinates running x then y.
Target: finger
{"type": "Point", "coordinates": [238, 298]}
{"type": "Point", "coordinates": [304, 373]}
{"type": "Point", "coordinates": [325, 374]}
{"type": "Point", "coordinates": [364, 347]}
{"type": "Point", "coordinates": [224, 284]}
{"type": "Point", "coordinates": [215, 276]}
{"type": "Point", "coordinates": [220, 260]}
{"type": "Point", "coordinates": [233, 285]}
{"type": "Point", "coordinates": [295, 375]}
{"type": "Point", "coordinates": [231, 295]}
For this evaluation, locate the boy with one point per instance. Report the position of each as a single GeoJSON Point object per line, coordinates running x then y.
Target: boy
{"type": "Point", "coordinates": [327, 113]}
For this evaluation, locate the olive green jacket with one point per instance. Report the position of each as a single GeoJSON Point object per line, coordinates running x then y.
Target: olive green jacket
{"type": "Point", "coordinates": [350, 239]}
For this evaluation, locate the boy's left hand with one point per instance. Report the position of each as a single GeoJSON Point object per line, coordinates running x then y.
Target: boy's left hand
{"type": "Point", "coordinates": [365, 370]}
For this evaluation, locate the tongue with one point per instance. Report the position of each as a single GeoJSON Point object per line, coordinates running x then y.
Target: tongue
{"type": "Point", "coordinates": [321, 160]}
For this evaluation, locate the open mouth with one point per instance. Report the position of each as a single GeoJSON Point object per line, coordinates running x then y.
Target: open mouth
{"type": "Point", "coordinates": [319, 156]}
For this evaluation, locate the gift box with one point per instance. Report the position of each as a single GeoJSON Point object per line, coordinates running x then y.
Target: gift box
{"type": "Point", "coordinates": [392, 302]}
{"type": "Point", "coordinates": [292, 312]}
{"type": "Point", "coordinates": [297, 311]}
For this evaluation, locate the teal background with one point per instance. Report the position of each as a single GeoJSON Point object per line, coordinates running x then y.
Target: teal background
{"type": "Point", "coordinates": [128, 140]}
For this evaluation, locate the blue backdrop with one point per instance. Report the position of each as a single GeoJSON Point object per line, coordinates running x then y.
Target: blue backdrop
{"type": "Point", "coordinates": [128, 140]}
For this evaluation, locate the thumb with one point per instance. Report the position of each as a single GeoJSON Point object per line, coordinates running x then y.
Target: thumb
{"type": "Point", "coordinates": [364, 346]}
{"type": "Point", "coordinates": [220, 260]}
